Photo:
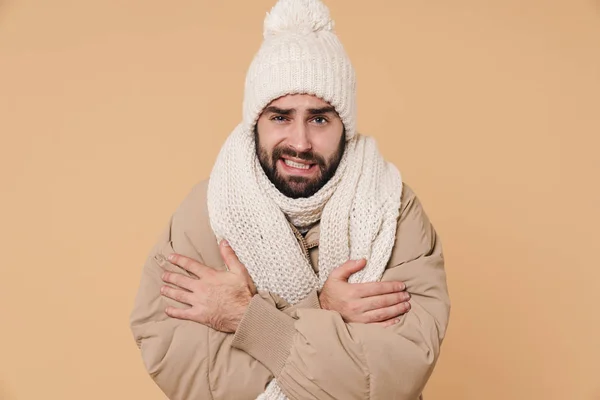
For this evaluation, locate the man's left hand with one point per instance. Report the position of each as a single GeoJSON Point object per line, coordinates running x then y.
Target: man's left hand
{"type": "Point", "coordinates": [217, 299]}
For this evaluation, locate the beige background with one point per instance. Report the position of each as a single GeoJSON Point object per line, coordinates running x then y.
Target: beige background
{"type": "Point", "coordinates": [111, 110]}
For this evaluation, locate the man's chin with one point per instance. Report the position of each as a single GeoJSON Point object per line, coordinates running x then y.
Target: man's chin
{"type": "Point", "coordinates": [296, 187]}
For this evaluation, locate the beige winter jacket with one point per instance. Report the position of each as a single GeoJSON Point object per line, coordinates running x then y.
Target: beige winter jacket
{"type": "Point", "coordinates": [311, 351]}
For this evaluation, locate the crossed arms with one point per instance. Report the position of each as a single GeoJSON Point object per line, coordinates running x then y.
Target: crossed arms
{"type": "Point", "coordinates": [313, 352]}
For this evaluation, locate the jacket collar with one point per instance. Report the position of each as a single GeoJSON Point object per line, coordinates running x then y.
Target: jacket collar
{"type": "Point", "coordinates": [313, 234]}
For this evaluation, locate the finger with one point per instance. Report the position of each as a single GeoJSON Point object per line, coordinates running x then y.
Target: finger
{"type": "Point", "coordinates": [378, 288]}
{"type": "Point", "coordinates": [189, 264]}
{"type": "Point", "coordinates": [385, 300]}
{"type": "Point", "coordinates": [178, 313]}
{"type": "Point", "coordinates": [344, 271]}
{"type": "Point", "coordinates": [387, 323]}
{"type": "Point", "coordinates": [231, 260]}
{"type": "Point", "coordinates": [176, 294]}
{"type": "Point", "coordinates": [383, 314]}
{"type": "Point", "coordinates": [179, 280]}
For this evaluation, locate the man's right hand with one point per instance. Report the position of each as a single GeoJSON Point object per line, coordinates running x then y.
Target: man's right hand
{"type": "Point", "coordinates": [374, 302]}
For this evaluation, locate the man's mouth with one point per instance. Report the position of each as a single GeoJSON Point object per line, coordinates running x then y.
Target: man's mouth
{"type": "Point", "coordinates": [297, 166]}
{"type": "Point", "coordinates": [294, 164]}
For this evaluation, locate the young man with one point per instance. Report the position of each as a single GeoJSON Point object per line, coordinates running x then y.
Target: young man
{"type": "Point", "coordinates": [303, 268]}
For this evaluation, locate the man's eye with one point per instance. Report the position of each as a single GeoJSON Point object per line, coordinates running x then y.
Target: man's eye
{"type": "Point", "coordinates": [320, 120]}
{"type": "Point", "coordinates": [279, 118]}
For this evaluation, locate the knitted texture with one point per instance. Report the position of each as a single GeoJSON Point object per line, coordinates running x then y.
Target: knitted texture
{"type": "Point", "coordinates": [357, 209]}
{"type": "Point", "coordinates": [300, 53]}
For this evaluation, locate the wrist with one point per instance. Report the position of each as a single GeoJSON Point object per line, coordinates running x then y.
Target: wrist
{"type": "Point", "coordinates": [236, 319]}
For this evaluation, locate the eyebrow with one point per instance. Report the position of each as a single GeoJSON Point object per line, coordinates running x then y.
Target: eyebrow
{"type": "Point", "coordinates": [290, 111]}
{"type": "Point", "coordinates": [322, 110]}
{"type": "Point", "coordinates": [277, 110]}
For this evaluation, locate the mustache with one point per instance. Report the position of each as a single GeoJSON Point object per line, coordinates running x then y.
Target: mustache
{"type": "Point", "coordinates": [307, 156]}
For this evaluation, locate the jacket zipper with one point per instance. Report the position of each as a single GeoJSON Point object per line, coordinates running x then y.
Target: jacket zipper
{"type": "Point", "coordinates": [302, 241]}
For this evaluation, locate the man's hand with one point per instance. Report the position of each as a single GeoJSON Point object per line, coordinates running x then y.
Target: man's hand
{"type": "Point", "coordinates": [374, 302]}
{"type": "Point", "coordinates": [218, 299]}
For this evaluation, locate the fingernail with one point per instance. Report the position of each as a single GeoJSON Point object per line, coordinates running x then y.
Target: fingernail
{"type": "Point", "coordinates": [162, 289]}
{"type": "Point", "coordinates": [171, 257]}
{"type": "Point", "coordinates": [397, 321]}
{"type": "Point", "coordinates": [226, 243]}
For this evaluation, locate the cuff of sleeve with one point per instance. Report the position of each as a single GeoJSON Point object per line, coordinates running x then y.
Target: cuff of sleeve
{"type": "Point", "coordinates": [265, 333]}
{"type": "Point", "coordinates": [311, 301]}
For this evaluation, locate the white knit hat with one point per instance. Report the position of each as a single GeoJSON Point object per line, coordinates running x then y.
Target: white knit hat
{"type": "Point", "coordinates": [300, 53]}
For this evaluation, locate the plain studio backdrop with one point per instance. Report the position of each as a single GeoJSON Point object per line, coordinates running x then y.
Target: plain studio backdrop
{"type": "Point", "coordinates": [110, 111]}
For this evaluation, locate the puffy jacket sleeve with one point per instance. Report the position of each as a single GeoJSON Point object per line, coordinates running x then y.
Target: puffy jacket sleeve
{"type": "Point", "coordinates": [188, 360]}
{"type": "Point", "coordinates": [314, 354]}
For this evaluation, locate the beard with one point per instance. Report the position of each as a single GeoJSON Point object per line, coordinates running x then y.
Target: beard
{"type": "Point", "coordinates": [299, 186]}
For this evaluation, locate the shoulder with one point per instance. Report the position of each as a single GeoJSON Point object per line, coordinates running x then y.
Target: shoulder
{"type": "Point", "coordinates": [408, 197]}
{"type": "Point", "coordinates": [410, 205]}
{"type": "Point", "coordinates": [191, 229]}
{"type": "Point", "coordinates": [193, 211]}
{"type": "Point", "coordinates": [415, 235]}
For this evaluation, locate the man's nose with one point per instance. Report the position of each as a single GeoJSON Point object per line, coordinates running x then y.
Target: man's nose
{"type": "Point", "coordinates": [299, 140]}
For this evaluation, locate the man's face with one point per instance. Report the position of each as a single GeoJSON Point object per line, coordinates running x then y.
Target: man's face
{"type": "Point", "coordinates": [299, 142]}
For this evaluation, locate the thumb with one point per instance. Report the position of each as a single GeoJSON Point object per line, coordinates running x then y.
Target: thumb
{"type": "Point", "coordinates": [231, 260]}
{"type": "Point", "coordinates": [348, 268]}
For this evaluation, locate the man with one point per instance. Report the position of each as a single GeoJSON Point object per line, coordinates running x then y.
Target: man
{"type": "Point", "coordinates": [288, 274]}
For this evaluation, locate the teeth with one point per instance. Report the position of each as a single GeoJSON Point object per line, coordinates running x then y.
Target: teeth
{"type": "Point", "coordinates": [296, 165]}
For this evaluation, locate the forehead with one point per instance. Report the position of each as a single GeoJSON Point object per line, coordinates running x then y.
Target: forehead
{"type": "Point", "coordinates": [299, 101]}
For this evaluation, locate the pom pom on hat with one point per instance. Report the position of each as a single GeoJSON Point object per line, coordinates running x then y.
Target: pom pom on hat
{"type": "Point", "coordinates": [297, 16]}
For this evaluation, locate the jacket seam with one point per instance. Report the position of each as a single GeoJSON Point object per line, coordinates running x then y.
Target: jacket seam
{"type": "Point", "coordinates": [368, 370]}
{"type": "Point", "coordinates": [210, 389]}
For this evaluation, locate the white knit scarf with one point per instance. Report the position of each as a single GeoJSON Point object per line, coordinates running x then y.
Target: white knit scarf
{"type": "Point", "coordinates": [357, 209]}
